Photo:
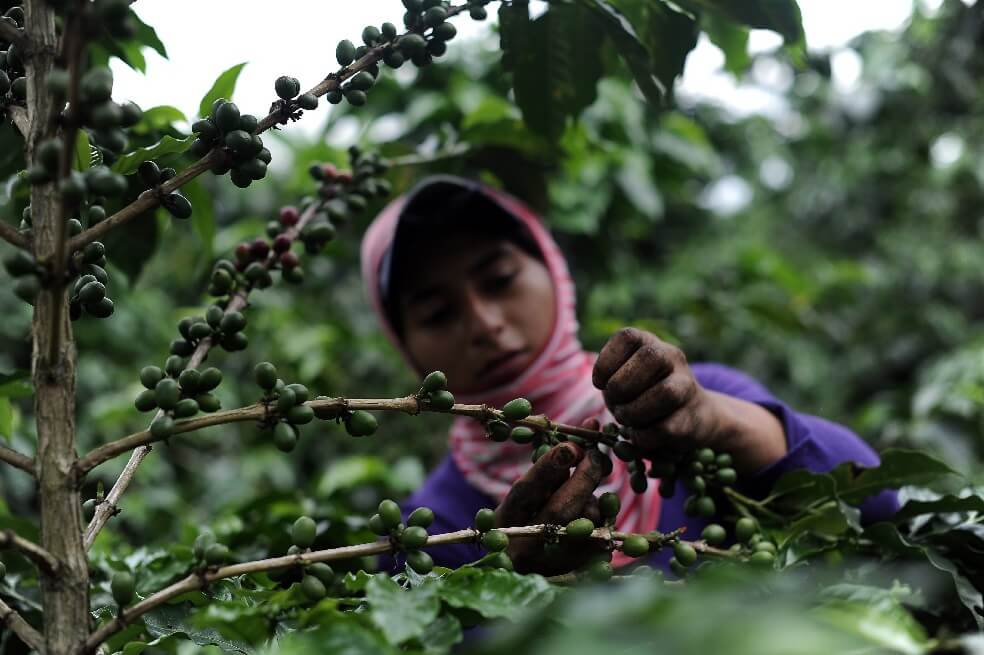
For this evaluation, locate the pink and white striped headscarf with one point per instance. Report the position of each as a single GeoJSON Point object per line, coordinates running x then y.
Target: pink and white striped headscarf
{"type": "Point", "coordinates": [557, 383]}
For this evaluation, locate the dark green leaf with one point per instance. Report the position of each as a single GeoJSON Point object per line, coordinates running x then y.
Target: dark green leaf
{"type": "Point", "coordinates": [731, 38]}
{"type": "Point", "coordinates": [223, 87]}
{"type": "Point", "coordinates": [782, 16]}
{"type": "Point", "coordinates": [898, 468]}
{"type": "Point", "coordinates": [631, 49]}
{"type": "Point", "coordinates": [168, 145]}
{"type": "Point", "coordinates": [942, 505]}
{"type": "Point", "coordinates": [203, 213]}
{"type": "Point", "coordinates": [6, 419]}
{"type": "Point", "coordinates": [556, 65]}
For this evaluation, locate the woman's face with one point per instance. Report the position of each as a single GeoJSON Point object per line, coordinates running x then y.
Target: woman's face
{"type": "Point", "coordinates": [479, 309]}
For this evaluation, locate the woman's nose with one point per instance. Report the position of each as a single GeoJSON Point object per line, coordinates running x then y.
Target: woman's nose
{"type": "Point", "coordinates": [486, 318]}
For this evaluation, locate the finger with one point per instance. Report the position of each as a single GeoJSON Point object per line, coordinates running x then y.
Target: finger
{"type": "Point", "coordinates": [648, 365]}
{"type": "Point", "coordinates": [591, 424]}
{"type": "Point", "coordinates": [593, 511]}
{"type": "Point", "coordinates": [568, 502]}
{"type": "Point", "coordinates": [656, 403]}
{"type": "Point", "coordinates": [532, 491]}
{"type": "Point", "coordinates": [616, 352]}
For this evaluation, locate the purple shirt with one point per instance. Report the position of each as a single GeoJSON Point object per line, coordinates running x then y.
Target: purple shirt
{"type": "Point", "coordinates": [813, 443]}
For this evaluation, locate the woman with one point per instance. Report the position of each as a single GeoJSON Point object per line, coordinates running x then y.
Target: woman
{"type": "Point", "coordinates": [466, 280]}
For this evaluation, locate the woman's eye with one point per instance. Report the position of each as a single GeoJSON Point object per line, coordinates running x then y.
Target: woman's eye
{"type": "Point", "coordinates": [500, 282]}
{"type": "Point", "coordinates": [438, 317]}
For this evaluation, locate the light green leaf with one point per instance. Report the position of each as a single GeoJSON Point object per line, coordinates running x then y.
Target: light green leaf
{"type": "Point", "coordinates": [168, 145]}
{"type": "Point", "coordinates": [496, 593]}
{"type": "Point", "coordinates": [401, 614]}
{"type": "Point", "coordinates": [885, 624]}
{"type": "Point", "coordinates": [83, 151]}
{"type": "Point", "coordinates": [223, 87]}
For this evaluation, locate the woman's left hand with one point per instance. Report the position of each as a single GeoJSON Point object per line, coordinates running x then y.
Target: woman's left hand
{"type": "Point", "coordinates": [651, 391]}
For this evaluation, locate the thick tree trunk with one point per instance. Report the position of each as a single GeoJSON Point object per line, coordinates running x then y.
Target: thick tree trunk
{"type": "Point", "coordinates": [65, 599]}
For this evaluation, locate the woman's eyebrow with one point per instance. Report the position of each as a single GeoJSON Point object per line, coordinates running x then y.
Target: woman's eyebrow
{"type": "Point", "coordinates": [488, 259]}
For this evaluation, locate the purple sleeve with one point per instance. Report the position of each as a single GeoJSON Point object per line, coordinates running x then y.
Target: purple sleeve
{"type": "Point", "coordinates": [813, 443]}
{"type": "Point", "coordinates": [455, 502]}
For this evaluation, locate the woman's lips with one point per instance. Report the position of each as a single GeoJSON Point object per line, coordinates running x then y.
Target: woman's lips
{"type": "Point", "coordinates": [504, 368]}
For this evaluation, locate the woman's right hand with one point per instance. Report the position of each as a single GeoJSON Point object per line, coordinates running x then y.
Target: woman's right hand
{"type": "Point", "coordinates": [550, 493]}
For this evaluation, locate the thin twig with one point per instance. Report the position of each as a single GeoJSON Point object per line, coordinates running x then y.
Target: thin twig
{"type": "Point", "coordinates": [337, 406]}
{"type": "Point", "coordinates": [18, 116]}
{"type": "Point", "coordinates": [459, 150]}
{"type": "Point", "coordinates": [751, 502]}
{"type": "Point", "coordinates": [12, 236]}
{"type": "Point", "coordinates": [148, 200]}
{"type": "Point", "coordinates": [110, 505]}
{"type": "Point", "coordinates": [202, 578]}
{"type": "Point", "coordinates": [17, 460]}
{"type": "Point", "coordinates": [11, 619]}
{"type": "Point", "coordinates": [45, 560]}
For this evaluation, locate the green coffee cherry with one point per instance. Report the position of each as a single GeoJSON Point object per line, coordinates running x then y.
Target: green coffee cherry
{"type": "Point", "coordinates": [285, 400]}
{"type": "Point", "coordinates": [517, 409]}
{"type": "Point", "coordinates": [209, 379]}
{"type": "Point", "coordinates": [745, 529]}
{"type": "Point", "coordinates": [435, 16]}
{"type": "Point", "coordinates": [284, 437]}
{"type": "Point", "coordinates": [265, 375]}
{"type": "Point", "coordinates": [175, 363]}
{"type": "Point", "coordinates": [705, 507]}
{"type": "Point", "coordinates": [360, 423]}
{"type": "Point", "coordinates": [202, 542]}
{"type": "Point", "coordinates": [684, 553]}
{"type": "Point", "coordinates": [287, 87]}
{"type": "Point", "coordinates": [167, 393]}
{"type": "Point", "coordinates": [723, 460]}
{"type": "Point", "coordinates": [609, 504]}
{"type": "Point", "coordinates": [208, 403]}
{"type": "Point", "coordinates": [121, 584]}
{"type": "Point", "coordinates": [522, 434]}
{"type": "Point", "coordinates": [445, 31]}
{"type": "Point", "coordinates": [377, 526]}
{"type": "Point", "coordinates": [599, 571]}
{"type": "Point", "coordinates": [579, 529]}
{"type": "Point", "coordinates": [162, 427]}
{"type": "Point", "coordinates": [435, 381]}
{"type": "Point", "coordinates": [727, 476]}
{"type": "Point", "coordinates": [499, 431]}
{"type": "Point", "coordinates": [763, 559]}
{"type": "Point", "coordinates": [413, 537]}
{"type": "Point", "coordinates": [766, 546]}
{"type": "Point", "coordinates": [185, 408]}
{"type": "Point", "coordinates": [635, 545]}
{"type": "Point", "coordinates": [300, 415]}
{"type": "Point", "coordinates": [484, 519]}
{"type": "Point", "coordinates": [705, 456]}
{"type": "Point", "coordinates": [216, 554]}
{"type": "Point", "coordinates": [313, 588]}
{"type": "Point", "coordinates": [442, 400]}
{"type": "Point", "coordinates": [227, 117]}
{"type": "Point", "coordinates": [355, 97]}
{"type": "Point", "coordinates": [303, 531]}
{"type": "Point", "coordinates": [307, 101]}
{"type": "Point", "coordinates": [177, 205]}
{"type": "Point", "coordinates": [389, 513]}
{"type": "Point", "coordinates": [422, 517]}
{"type": "Point", "coordinates": [714, 534]}
{"type": "Point", "coordinates": [88, 511]}
{"type": "Point", "coordinates": [361, 81]}
{"type": "Point", "coordinates": [322, 571]}
{"type": "Point", "coordinates": [639, 482]}
{"type": "Point", "coordinates": [420, 562]}
{"type": "Point", "coordinates": [412, 43]}
{"type": "Point", "coordinates": [145, 401]}
{"type": "Point", "coordinates": [495, 541]}
{"type": "Point", "coordinates": [190, 378]}
{"type": "Point", "coordinates": [540, 451]}
{"type": "Point", "coordinates": [345, 52]}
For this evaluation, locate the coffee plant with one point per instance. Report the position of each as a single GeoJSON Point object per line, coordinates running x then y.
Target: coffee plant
{"type": "Point", "coordinates": [88, 165]}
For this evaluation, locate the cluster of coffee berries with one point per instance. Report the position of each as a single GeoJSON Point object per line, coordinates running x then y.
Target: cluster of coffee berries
{"type": "Point", "coordinates": [434, 392]}
{"type": "Point", "coordinates": [235, 135]}
{"type": "Point", "coordinates": [152, 177]}
{"type": "Point", "coordinates": [429, 30]}
{"type": "Point", "coordinates": [21, 266]}
{"type": "Point", "coordinates": [13, 83]}
{"type": "Point", "coordinates": [318, 576]}
{"type": "Point", "coordinates": [492, 540]}
{"type": "Point", "coordinates": [355, 88]}
{"type": "Point", "coordinates": [122, 587]}
{"type": "Point", "coordinates": [88, 293]}
{"type": "Point", "coordinates": [409, 537]}
{"type": "Point", "coordinates": [209, 551]}
{"type": "Point", "coordinates": [282, 241]}
{"type": "Point", "coordinates": [518, 409]}
{"type": "Point", "coordinates": [179, 392]}
{"type": "Point", "coordinates": [286, 404]}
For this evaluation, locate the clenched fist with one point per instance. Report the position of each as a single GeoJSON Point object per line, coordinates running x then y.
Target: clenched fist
{"type": "Point", "coordinates": [651, 391]}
